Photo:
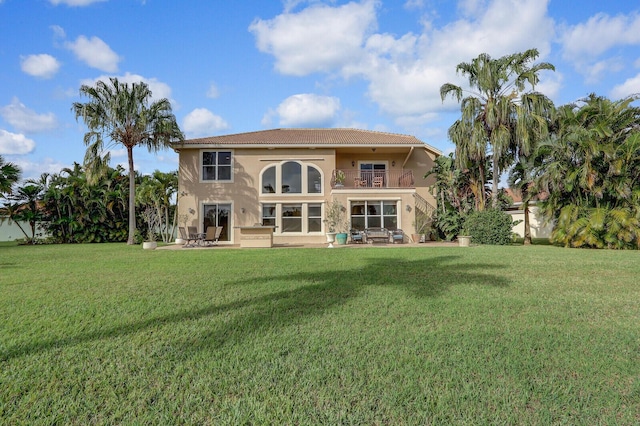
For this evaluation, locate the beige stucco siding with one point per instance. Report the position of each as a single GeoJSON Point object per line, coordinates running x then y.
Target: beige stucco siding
{"type": "Point", "coordinates": [243, 192]}
{"type": "Point", "coordinates": [245, 195]}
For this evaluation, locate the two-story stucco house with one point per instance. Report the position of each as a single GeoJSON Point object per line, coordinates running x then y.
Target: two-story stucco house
{"type": "Point", "coordinates": [285, 177]}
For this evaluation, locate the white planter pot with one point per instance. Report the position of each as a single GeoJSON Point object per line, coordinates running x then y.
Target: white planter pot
{"type": "Point", "coordinates": [464, 240]}
{"type": "Point", "coordinates": [331, 238]}
{"type": "Point", "coordinates": [149, 245]}
{"type": "Point", "coordinates": [180, 241]}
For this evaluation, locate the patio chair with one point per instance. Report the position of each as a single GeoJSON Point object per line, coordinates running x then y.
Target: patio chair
{"type": "Point", "coordinates": [359, 182]}
{"type": "Point", "coordinates": [356, 237]}
{"type": "Point", "coordinates": [397, 236]}
{"type": "Point", "coordinates": [185, 236]}
{"type": "Point", "coordinates": [193, 234]}
{"type": "Point", "coordinates": [378, 181]}
{"type": "Point", "coordinates": [213, 235]}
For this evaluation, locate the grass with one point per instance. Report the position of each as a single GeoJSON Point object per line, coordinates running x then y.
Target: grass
{"type": "Point", "coordinates": [110, 334]}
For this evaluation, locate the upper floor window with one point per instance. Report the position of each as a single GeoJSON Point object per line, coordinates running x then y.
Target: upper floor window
{"type": "Point", "coordinates": [291, 177]}
{"type": "Point", "coordinates": [217, 165]}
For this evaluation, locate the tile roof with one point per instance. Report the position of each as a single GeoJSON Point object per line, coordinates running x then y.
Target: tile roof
{"type": "Point", "coordinates": [308, 137]}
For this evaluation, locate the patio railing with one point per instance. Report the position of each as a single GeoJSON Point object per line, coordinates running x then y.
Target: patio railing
{"type": "Point", "coordinates": [372, 179]}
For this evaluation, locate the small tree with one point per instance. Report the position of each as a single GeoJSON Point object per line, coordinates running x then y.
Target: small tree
{"type": "Point", "coordinates": [334, 216]}
{"type": "Point", "coordinates": [158, 191]}
{"type": "Point", "coordinates": [24, 205]}
{"type": "Point", "coordinates": [153, 221]}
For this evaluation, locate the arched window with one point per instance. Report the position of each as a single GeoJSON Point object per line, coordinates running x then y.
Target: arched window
{"type": "Point", "coordinates": [269, 180]}
{"type": "Point", "coordinates": [291, 177]}
{"type": "Point", "coordinates": [314, 180]}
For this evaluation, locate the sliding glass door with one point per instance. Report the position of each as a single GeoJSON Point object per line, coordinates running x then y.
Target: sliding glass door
{"type": "Point", "coordinates": [218, 215]}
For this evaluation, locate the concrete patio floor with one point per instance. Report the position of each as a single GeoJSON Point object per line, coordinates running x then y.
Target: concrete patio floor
{"type": "Point", "coordinates": [336, 246]}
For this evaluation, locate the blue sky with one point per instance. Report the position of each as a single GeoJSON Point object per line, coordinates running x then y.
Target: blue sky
{"type": "Point", "coordinates": [247, 65]}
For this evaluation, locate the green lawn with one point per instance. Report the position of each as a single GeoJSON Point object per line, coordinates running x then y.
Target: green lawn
{"type": "Point", "coordinates": [111, 334]}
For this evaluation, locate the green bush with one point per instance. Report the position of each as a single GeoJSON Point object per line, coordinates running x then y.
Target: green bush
{"type": "Point", "coordinates": [489, 227]}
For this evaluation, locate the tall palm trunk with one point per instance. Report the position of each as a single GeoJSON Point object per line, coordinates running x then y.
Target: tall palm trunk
{"type": "Point", "coordinates": [494, 184]}
{"type": "Point", "coordinates": [527, 224]}
{"type": "Point", "coordinates": [132, 197]}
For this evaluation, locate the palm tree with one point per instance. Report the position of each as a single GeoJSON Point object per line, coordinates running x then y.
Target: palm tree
{"type": "Point", "coordinates": [157, 191]}
{"type": "Point", "coordinates": [590, 170]}
{"type": "Point", "coordinates": [9, 175]}
{"type": "Point", "coordinates": [122, 114]}
{"type": "Point", "coordinates": [498, 113]}
{"type": "Point", "coordinates": [25, 205]}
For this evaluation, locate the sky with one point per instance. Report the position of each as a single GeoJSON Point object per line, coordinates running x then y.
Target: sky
{"type": "Point", "coordinates": [249, 65]}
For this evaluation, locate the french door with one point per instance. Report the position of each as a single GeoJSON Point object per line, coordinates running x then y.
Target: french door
{"type": "Point", "coordinates": [374, 174]}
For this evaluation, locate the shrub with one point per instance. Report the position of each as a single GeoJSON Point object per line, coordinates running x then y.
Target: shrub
{"type": "Point", "coordinates": [489, 227]}
{"type": "Point", "coordinates": [614, 228]}
{"type": "Point", "coordinates": [447, 224]}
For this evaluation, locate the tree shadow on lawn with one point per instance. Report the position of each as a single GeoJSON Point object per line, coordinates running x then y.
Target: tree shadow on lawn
{"type": "Point", "coordinates": [337, 287]}
{"type": "Point", "coordinates": [328, 289]}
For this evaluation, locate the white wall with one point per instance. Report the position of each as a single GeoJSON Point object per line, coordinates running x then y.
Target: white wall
{"type": "Point", "coordinates": [538, 228]}
{"type": "Point", "coordinates": [11, 232]}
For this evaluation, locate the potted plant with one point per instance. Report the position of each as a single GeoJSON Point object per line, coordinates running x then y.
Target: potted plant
{"type": "Point", "coordinates": [421, 224]}
{"type": "Point", "coordinates": [464, 240]}
{"type": "Point", "coordinates": [334, 219]}
{"type": "Point", "coordinates": [340, 178]}
{"type": "Point", "coordinates": [153, 221]}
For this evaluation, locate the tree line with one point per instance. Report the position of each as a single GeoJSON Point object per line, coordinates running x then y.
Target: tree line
{"type": "Point", "coordinates": [94, 202]}
{"type": "Point", "coordinates": [68, 207]}
{"type": "Point", "coordinates": [579, 162]}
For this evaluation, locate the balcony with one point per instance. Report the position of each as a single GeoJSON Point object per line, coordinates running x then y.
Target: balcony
{"type": "Point", "coordinates": [372, 179]}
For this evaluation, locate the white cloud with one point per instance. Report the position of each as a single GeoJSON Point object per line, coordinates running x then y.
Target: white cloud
{"type": "Point", "coordinates": [585, 43]}
{"type": "Point", "coordinates": [41, 66]}
{"type": "Point", "coordinates": [414, 4]}
{"type": "Point", "coordinates": [629, 87]}
{"type": "Point", "coordinates": [594, 71]}
{"type": "Point", "coordinates": [95, 53]}
{"type": "Point", "coordinates": [213, 91]}
{"type": "Point", "coordinates": [13, 143]}
{"type": "Point", "coordinates": [27, 120]}
{"type": "Point", "coordinates": [159, 90]}
{"type": "Point", "coordinates": [550, 85]}
{"type": "Point", "coordinates": [319, 38]}
{"type": "Point", "coordinates": [306, 110]}
{"type": "Point", "coordinates": [58, 32]}
{"type": "Point", "coordinates": [599, 34]}
{"type": "Point", "coordinates": [33, 169]}
{"type": "Point", "coordinates": [202, 122]}
{"type": "Point", "coordinates": [74, 2]}
{"type": "Point", "coordinates": [404, 72]}
{"type": "Point", "coordinates": [118, 153]}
